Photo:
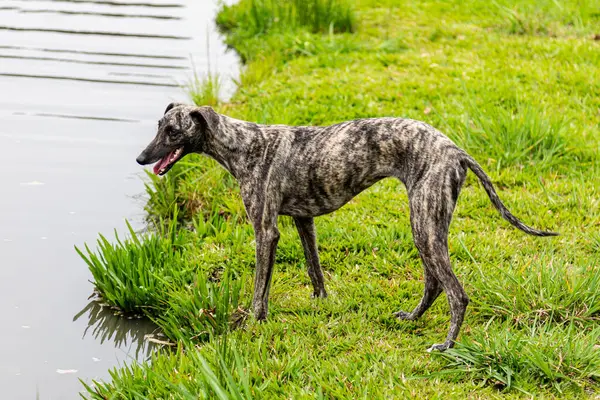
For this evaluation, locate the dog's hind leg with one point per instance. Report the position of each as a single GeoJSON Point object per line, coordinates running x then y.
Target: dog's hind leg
{"type": "Point", "coordinates": [308, 237]}
{"type": "Point", "coordinates": [432, 203]}
{"type": "Point", "coordinates": [457, 297]}
{"type": "Point", "coordinates": [432, 290]}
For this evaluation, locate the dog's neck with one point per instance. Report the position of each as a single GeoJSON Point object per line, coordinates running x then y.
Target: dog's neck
{"type": "Point", "coordinates": [226, 143]}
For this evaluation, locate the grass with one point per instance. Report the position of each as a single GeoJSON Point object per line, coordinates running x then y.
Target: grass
{"type": "Point", "coordinates": [206, 89]}
{"type": "Point", "coordinates": [258, 17]}
{"type": "Point", "coordinates": [515, 84]}
{"type": "Point", "coordinates": [543, 289]}
{"type": "Point", "coordinates": [548, 17]}
{"type": "Point", "coordinates": [132, 274]}
{"type": "Point", "coordinates": [190, 376]}
{"type": "Point", "coordinates": [153, 276]}
{"type": "Point", "coordinates": [561, 358]}
{"type": "Point", "coordinates": [181, 195]}
{"type": "Point", "coordinates": [522, 137]}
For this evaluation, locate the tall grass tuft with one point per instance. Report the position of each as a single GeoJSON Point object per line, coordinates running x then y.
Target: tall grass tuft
{"type": "Point", "coordinates": [548, 17]}
{"type": "Point", "coordinates": [153, 275]}
{"type": "Point", "coordinates": [133, 274]}
{"type": "Point", "coordinates": [202, 310]}
{"type": "Point", "coordinates": [254, 17]}
{"type": "Point", "coordinates": [205, 90]}
{"type": "Point", "coordinates": [216, 371]}
{"type": "Point", "coordinates": [517, 137]}
{"type": "Point", "coordinates": [164, 194]}
{"type": "Point", "coordinates": [549, 356]}
{"type": "Point", "coordinates": [545, 289]}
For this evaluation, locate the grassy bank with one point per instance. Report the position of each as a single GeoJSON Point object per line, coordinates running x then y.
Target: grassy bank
{"type": "Point", "coordinates": [516, 84]}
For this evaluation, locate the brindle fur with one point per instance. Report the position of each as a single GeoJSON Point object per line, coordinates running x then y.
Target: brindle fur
{"type": "Point", "coordinates": [307, 171]}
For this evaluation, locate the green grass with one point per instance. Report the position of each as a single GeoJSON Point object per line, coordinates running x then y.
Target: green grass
{"type": "Point", "coordinates": [181, 194]}
{"type": "Point", "coordinates": [543, 289]}
{"type": "Point", "coordinates": [205, 89]}
{"type": "Point", "coordinates": [189, 376]}
{"type": "Point", "coordinates": [153, 275]}
{"type": "Point", "coordinates": [514, 83]}
{"type": "Point", "coordinates": [548, 17]}
{"type": "Point", "coordinates": [561, 358]}
{"type": "Point", "coordinates": [256, 17]}
{"type": "Point", "coordinates": [522, 136]}
{"type": "Point", "coordinates": [132, 274]}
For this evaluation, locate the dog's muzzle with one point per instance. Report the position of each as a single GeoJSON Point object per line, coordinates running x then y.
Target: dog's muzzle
{"type": "Point", "coordinates": [142, 159]}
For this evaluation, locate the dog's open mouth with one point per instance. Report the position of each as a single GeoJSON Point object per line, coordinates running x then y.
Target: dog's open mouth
{"type": "Point", "coordinates": [165, 163]}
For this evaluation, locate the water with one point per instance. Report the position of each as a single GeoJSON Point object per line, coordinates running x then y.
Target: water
{"type": "Point", "coordinates": [82, 84]}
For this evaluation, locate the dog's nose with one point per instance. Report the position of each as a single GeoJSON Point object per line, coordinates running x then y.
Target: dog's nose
{"type": "Point", "coordinates": [141, 159]}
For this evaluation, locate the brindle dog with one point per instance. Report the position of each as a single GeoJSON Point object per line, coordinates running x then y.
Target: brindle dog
{"type": "Point", "coordinates": [307, 171]}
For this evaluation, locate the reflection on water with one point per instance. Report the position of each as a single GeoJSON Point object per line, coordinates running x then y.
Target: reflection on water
{"type": "Point", "coordinates": [123, 332]}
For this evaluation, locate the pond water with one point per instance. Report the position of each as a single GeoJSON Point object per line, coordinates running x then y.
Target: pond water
{"type": "Point", "coordinates": [82, 84]}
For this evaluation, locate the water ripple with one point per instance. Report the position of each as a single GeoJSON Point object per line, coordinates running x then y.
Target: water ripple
{"type": "Point", "coordinates": [100, 33]}
{"type": "Point", "coordinates": [114, 3]}
{"type": "Point", "coordinates": [70, 60]}
{"type": "Point", "coordinates": [96, 53]}
{"type": "Point", "coordinates": [93, 13]}
{"type": "Point", "coordinates": [72, 78]}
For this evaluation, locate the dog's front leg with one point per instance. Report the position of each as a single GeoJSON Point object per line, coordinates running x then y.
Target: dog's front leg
{"type": "Point", "coordinates": [266, 245]}
{"type": "Point", "coordinates": [262, 208]}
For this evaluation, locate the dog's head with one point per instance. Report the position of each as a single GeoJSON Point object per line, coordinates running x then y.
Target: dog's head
{"type": "Point", "coordinates": [180, 131]}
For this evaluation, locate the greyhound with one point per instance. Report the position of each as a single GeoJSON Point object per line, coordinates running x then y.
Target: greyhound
{"type": "Point", "coordinates": [308, 171]}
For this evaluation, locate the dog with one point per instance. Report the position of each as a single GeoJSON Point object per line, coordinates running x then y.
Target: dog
{"type": "Point", "coordinates": [308, 171]}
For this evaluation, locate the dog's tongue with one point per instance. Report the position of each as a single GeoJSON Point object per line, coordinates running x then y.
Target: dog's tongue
{"type": "Point", "coordinates": [163, 162]}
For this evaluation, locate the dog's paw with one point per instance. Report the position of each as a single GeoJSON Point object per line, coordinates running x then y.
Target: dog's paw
{"type": "Point", "coordinates": [259, 312]}
{"type": "Point", "coordinates": [439, 347]}
{"type": "Point", "coordinates": [403, 315]}
{"type": "Point", "coordinates": [319, 295]}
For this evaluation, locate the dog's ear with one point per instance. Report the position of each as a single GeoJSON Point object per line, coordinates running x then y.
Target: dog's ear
{"type": "Point", "coordinates": [173, 105]}
{"type": "Point", "coordinates": [205, 117]}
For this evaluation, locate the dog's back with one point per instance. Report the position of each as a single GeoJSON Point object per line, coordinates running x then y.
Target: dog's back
{"type": "Point", "coordinates": [324, 167]}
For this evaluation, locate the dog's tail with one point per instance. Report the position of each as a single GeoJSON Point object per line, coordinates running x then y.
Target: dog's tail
{"type": "Point", "coordinates": [507, 215]}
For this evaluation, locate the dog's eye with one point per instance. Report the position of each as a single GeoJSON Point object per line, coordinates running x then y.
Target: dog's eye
{"type": "Point", "coordinates": [172, 132]}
